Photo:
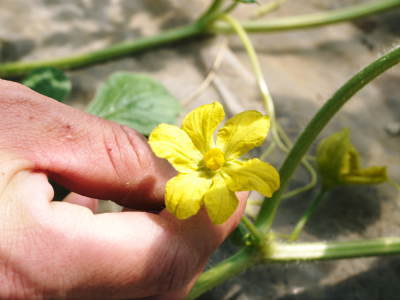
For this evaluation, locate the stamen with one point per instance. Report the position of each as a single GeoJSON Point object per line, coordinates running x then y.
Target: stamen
{"type": "Point", "coordinates": [214, 159]}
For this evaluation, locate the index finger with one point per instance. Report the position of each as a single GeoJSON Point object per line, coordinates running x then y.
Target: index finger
{"type": "Point", "coordinates": [87, 155]}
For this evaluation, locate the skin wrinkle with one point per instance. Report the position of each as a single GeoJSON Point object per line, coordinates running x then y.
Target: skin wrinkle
{"type": "Point", "coordinates": [13, 283]}
{"type": "Point", "coordinates": [124, 138]}
{"type": "Point", "coordinates": [174, 281]}
{"type": "Point", "coordinates": [139, 151]}
{"type": "Point", "coordinates": [177, 278]}
{"type": "Point", "coordinates": [9, 276]}
{"type": "Point", "coordinates": [134, 149]}
{"type": "Point", "coordinates": [174, 264]}
{"type": "Point", "coordinates": [11, 279]}
{"type": "Point", "coordinates": [121, 135]}
{"type": "Point", "coordinates": [110, 148]}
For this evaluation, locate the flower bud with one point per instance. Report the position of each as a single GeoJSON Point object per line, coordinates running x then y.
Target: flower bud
{"type": "Point", "coordinates": [339, 163]}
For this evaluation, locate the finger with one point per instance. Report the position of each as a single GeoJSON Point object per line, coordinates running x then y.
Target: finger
{"type": "Point", "coordinates": [168, 253]}
{"type": "Point", "coordinates": [77, 199]}
{"type": "Point", "coordinates": [87, 155]}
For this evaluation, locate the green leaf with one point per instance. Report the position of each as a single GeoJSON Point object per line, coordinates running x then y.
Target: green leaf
{"type": "Point", "coordinates": [50, 82]}
{"type": "Point", "coordinates": [136, 101]}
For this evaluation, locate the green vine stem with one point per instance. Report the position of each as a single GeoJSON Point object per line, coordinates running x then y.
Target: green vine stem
{"type": "Point", "coordinates": [303, 220]}
{"type": "Point", "coordinates": [312, 20]}
{"type": "Point", "coordinates": [307, 165]}
{"type": "Point", "coordinates": [198, 28]}
{"type": "Point", "coordinates": [262, 85]}
{"type": "Point", "coordinates": [279, 136]}
{"type": "Point", "coordinates": [282, 252]}
{"type": "Point", "coordinates": [214, 7]}
{"type": "Point", "coordinates": [268, 8]}
{"type": "Point", "coordinates": [75, 61]}
{"type": "Point", "coordinates": [227, 269]}
{"type": "Point", "coordinates": [268, 210]}
{"type": "Point", "coordinates": [289, 252]}
{"type": "Point", "coordinates": [205, 25]}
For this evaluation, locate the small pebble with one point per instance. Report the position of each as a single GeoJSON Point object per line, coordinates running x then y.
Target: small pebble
{"type": "Point", "coordinates": [393, 128]}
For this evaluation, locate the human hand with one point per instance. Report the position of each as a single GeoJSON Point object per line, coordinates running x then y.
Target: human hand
{"type": "Point", "coordinates": [62, 249]}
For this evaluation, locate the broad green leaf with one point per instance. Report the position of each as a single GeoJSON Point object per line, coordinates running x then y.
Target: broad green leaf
{"type": "Point", "coordinates": [50, 82]}
{"type": "Point", "coordinates": [136, 101]}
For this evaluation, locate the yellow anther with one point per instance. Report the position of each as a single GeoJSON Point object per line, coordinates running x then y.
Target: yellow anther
{"type": "Point", "coordinates": [214, 159]}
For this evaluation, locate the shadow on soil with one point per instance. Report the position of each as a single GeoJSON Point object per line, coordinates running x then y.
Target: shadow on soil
{"type": "Point", "coordinates": [379, 282]}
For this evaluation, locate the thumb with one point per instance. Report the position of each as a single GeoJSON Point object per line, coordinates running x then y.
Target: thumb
{"type": "Point", "coordinates": [88, 155]}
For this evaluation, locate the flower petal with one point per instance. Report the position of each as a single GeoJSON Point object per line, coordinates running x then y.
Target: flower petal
{"type": "Point", "coordinates": [201, 123]}
{"type": "Point", "coordinates": [371, 175]}
{"type": "Point", "coordinates": [172, 143]}
{"type": "Point", "coordinates": [242, 133]}
{"type": "Point", "coordinates": [220, 201]}
{"type": "Point", "coordinates": [184, 194]}
{"type": "Point", "coordinates": [252, 175]}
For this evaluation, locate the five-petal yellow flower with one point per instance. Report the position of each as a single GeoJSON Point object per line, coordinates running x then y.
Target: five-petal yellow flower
{"type": "Point", "coordinates": [210, 171]}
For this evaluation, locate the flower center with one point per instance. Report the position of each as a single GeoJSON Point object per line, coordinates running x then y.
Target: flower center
{"type": "Point", "coordinates": [214, 159]}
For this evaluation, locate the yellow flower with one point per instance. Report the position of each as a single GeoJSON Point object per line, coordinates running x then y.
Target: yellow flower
{"type": "Point", "coordinates": [209, 170]}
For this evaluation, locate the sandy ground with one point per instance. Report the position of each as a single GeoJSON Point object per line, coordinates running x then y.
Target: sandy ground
{"type": "Point", "coordinates": [303, 68]}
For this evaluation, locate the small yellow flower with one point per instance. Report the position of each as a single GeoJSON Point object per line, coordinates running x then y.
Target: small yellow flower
{"type": "Point", "coordinates": [209, 171]}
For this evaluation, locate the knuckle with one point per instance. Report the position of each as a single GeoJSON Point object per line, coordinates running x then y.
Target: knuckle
{"type": "Point", "coordinates": [126, 151]}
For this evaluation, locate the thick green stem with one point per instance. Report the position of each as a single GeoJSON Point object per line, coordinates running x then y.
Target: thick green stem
{"type": "Point", "coordinates": [303, 220]}
{"type": "Point", "coordinates": [117, 50]}
{"type": "Point", "coordinates": [289, 252]}
{"type": "Point", "coordinates": [281, 252]}
{"type": "Point", "coordinates": [268, 210]}
{"type": "Point", "coordinates": [312, 20]}
{"type": "Point", "coordinates": [223, 271]}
